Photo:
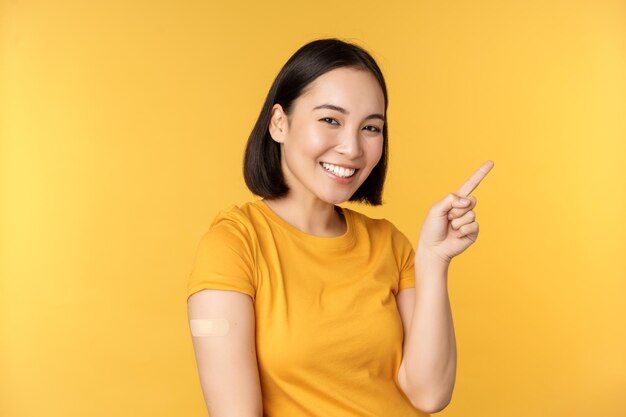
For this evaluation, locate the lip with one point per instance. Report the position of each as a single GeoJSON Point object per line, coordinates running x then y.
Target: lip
{"type": "Point", "coordinates": [337, 179]}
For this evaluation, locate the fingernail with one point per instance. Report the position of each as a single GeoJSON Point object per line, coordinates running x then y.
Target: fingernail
{"type": "Point", "coordinates": [464, 201]}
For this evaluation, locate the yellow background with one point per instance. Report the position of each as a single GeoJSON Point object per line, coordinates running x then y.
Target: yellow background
{"type": "Point", "coordinates": [123, 126]}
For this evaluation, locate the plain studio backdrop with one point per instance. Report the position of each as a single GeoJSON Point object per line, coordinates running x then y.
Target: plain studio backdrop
{"type": "Point", "coordinates": [123, 125]}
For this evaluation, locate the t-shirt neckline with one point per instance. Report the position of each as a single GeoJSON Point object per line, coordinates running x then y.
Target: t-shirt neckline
{"type": "Point", "coordinates": [330, 242]}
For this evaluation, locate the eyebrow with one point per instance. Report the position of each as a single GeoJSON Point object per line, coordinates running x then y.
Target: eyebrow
{"type": "Point", "coordinates": [344, 111]}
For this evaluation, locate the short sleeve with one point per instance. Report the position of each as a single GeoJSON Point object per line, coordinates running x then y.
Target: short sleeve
{"type": "Point", "coordinates": [405, 255]}
{"type": "Point", "coordinates": [223, 260]}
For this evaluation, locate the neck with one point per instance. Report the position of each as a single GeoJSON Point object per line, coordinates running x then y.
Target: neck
{"type": "Point", "coordinates": [313, 216]}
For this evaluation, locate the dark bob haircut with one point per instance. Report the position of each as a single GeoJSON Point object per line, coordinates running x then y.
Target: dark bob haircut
{"type": "Point", "coordinates": [262, 165]}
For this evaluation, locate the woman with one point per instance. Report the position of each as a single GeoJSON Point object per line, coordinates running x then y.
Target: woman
{"type": "Point", "coordinates": [299, 307]}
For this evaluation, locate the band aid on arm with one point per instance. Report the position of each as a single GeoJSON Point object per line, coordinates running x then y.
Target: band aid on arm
{"type": "Point", "coordinates": [209, 327]}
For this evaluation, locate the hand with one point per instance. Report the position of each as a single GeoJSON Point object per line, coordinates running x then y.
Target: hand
{"type": "Point", "coordinates": [450, 226]}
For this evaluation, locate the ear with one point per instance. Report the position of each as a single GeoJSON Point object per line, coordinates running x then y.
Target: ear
{"type": "Point", "coordinates": [278, 123]}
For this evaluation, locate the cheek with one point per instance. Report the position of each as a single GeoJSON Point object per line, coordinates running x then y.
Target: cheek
{"type": "Point", "coordinates": [375, 151]}
{"type": "Point", "coordinates": [315, 141]}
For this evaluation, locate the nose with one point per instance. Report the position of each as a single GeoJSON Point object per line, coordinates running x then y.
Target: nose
{"type": "Point", "coordinates": [350, 144]}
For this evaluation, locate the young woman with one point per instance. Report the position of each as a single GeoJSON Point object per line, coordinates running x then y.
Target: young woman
{"type": "Point", "coordinates": [300, 307]}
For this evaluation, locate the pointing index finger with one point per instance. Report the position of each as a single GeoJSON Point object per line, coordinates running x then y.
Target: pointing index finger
{"type": "Point", "coordinates": [475, 179]}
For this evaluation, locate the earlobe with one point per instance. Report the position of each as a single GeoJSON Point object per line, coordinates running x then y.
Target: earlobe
{"type": "Point", "coordinates": [277, 123]}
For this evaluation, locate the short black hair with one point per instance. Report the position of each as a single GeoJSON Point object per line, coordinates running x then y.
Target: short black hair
{"type": "Point", "coordinates": [262, 165]}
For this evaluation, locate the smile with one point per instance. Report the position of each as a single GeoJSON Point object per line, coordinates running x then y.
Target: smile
{"type": "Point", "coordinates": [337, 170]}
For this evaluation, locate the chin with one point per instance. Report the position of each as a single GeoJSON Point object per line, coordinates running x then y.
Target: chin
{"type": "Point", "coordinates": [336, 199]}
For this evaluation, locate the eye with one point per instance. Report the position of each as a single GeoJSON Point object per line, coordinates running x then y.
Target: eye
{"type": "Point", "coordinates": [374, 129]}
{"type": "Point", "coordinates": [326, 119]}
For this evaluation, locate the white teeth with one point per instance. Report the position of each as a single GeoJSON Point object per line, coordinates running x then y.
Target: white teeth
{"type": "Point", "coordinates": [339, 171]}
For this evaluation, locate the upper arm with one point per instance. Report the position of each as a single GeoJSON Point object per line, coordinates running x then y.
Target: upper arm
{"type": "Point", "coordinates": [227, 364]}
{"type": "Point", "coordinates": [405, 300]}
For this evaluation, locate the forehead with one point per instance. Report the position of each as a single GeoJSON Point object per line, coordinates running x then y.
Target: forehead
{"type": "Point", "coordinates": [354, 89]}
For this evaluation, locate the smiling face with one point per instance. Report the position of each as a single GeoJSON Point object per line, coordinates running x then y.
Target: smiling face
{"type": "Point", "coordinates": [333, 137]}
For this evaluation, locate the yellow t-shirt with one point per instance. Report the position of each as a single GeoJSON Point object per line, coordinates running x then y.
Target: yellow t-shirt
{"type": "Point", "coordinates": [328, 331]}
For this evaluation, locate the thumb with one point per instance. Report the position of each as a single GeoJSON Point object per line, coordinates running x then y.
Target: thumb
{"type": "Point", "coordinates": [450, 201]}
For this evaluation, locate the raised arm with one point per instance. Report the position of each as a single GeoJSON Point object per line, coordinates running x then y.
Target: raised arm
{"type": "Point", "coordinates": [222, 325]}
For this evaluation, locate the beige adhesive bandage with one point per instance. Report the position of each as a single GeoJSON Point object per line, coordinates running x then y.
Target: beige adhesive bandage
{"type": "Point", "coordinates": [209, 327]}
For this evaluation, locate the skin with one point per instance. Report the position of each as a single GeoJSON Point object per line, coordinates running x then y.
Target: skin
{"type": "Point", "coordinates": [450, 226]}
{"type": "Point", "coordinates": [428, 369]}
{"type": "Point", "coordinates": [309, 136]}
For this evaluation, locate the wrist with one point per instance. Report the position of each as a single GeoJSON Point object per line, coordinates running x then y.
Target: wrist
{"type": "Point", "coordinates": [430, 266]}
{"type": "Point", "coordinates": [430, 258]}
